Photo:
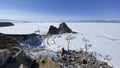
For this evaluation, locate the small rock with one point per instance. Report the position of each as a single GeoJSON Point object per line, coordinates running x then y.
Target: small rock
{"type": "Point", "coordinates": [84, 61]}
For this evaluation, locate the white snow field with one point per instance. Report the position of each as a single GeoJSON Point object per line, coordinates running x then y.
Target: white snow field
{"type": "Point", "coordinates": [104, 38]}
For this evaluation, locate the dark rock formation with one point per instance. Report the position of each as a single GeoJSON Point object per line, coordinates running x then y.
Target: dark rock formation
{"type": "Point", "coordinates": [62, 51]}
{"type": "Point", "coordinates": [63, 28]}
{"type": "Point", "coordinates": [7, 43]}
{"type": "Point", "coordinates": [10, 40]}
{"type": "Point", "coordinates": [16, 58]}
{"type": "Point", "coordinates": [3, 24]}
{"type": "Point", "coordinates": [5, 54]}
{"type": "Point", "coordinates": [11, 63]}
{"type": "Point", "coordinates": [21, 57]}
{"type": "Point", "coordinates": [53, 30]}
{"type": "Point", "coordinates": [12, 54]}
{"type": "Point", "coordinates": [84, 61]}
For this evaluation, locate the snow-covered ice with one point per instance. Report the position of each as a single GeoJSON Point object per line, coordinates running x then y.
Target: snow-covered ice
{"type": "Point", "coordinates": [104, 38]}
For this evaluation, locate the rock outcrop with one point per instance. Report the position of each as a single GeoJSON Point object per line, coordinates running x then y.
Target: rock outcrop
{"type": "Point", "coordinates": [63, 28]}
{"type": "Point", "coordinates": [11, 63]}
{"type": "Point", "coordinates": [4, 24]}
{"type": "Point", "coordinates": [53, 30]}
{"type": "Point", "coordinates": [21, 57]}
{"type": "Point", "coordinates": [7, 43]}
{"type": "Point", "coordinates": [27, 40]}
{"type": "Point", "coordinates": [16, 58]}
{"type": "Point", "coordinates": [5, 54]}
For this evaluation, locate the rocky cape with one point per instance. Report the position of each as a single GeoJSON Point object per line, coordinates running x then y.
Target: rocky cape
{"type": "Point", "coordinates": [5, 24]}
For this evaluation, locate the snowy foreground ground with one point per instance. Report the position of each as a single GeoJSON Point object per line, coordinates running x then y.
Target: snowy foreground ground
{"type": "Point", "coordinates": [104, 38]}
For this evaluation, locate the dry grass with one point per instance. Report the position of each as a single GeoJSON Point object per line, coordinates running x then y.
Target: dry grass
{"type": "Point", "coordinates": [47, 62]}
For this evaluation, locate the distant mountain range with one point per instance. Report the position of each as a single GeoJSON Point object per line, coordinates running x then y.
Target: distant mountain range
{"type": "Point", "coordinates": [97, 21]}
{"type": "Point", "coordinates": [77, 21]}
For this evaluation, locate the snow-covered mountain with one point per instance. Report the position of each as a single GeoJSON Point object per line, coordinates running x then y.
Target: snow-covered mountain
{"type": "Point", "coordinates": [104, 38]}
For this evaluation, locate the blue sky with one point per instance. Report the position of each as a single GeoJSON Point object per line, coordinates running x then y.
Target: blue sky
{"type": "Point", "coordinates": [55, 10]}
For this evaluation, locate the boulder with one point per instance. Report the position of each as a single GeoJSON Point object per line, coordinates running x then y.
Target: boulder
{"type": "Point", "coordinates": [53, 30]}
{"type": "Point", "coordinates": [63, 28]}
{"type": "Point", "coordinates": [5, 54]}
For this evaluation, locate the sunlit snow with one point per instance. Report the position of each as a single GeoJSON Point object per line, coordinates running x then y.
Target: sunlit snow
{"type": "Point", "coordinates": [104, 38]}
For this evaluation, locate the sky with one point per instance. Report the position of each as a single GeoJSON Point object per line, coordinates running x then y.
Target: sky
{"type": "Point", "coordinates": [58, 10]}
